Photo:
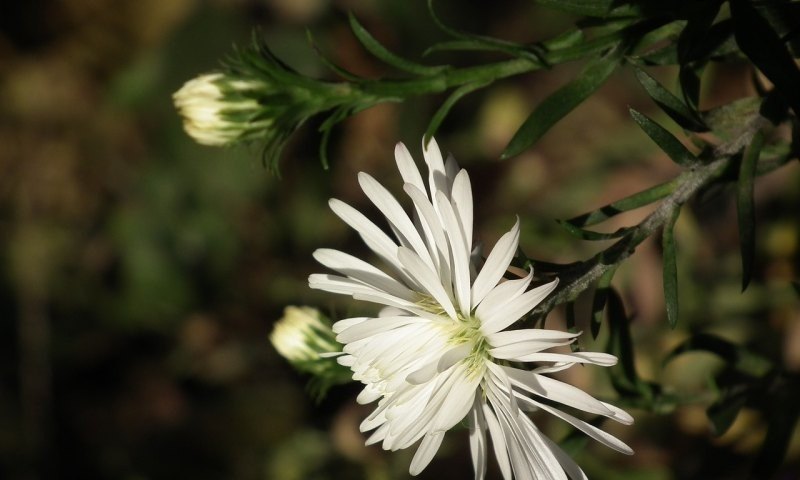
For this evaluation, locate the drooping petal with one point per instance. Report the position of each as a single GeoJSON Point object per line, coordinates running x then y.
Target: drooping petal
{"type": "Point", "coordinates": [427, 449]}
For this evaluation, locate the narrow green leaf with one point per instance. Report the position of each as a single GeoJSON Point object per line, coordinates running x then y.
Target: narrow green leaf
{"type": "Point", "coordinates": [443, 110]}
{"type": "Point", "coordinates": [593, 8]}
{"type": "Point", "coordinates": [624, 377]}
{"type": "Point", "coordinates": [668, 143]}
{"type": "Point", "coordinates": [338, 70]}
{"type": "Point", "coordinates": [565, 40]}
{"type": "Point", "coordinates": [570, 322]}
{"type": "Point", "coordinates": [564, 100]}
{"type": "Point", "coordinates": [326, 128]}
{"type": "Point", "coordinates": [632, 202]}
{"type": "Point", "coordinates": [762, 45]}
{"type": "Point", "coordinates": [590, 235]}
{"type": "Point", "coordinates": [745, 206]}
{"type": "Point", "coordinates": [600, 297]}
{"type": "Point", "coordinates": [382, 53]}
{"type": "Point", "coordinates": [672, 105]}
{"type": "Point", "coordinates": [670, 269]}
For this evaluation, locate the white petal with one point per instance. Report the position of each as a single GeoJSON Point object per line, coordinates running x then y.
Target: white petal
{"type": "Point", "coordinates": [394, 213]}
{"type": "Point", "coordinates": [500, 295]}
{"type": "Point", "coordinates": [461, 280]}
{"type": "Point", "coordinates": [518, 350]}
{"type": "Point", "coordinates": [477, 438]}
{"type": "Point", "coordinates": [597, 434]}
{"type": "Point", "coordinates": [360, 270]}
{"type": "Point", "coordinates": [437, 175]}
{"type": "Point", "coordinates": [427, 449]}
{"type": "Point", "coordinates": [596, 358]}
{"type": "Point", "coordinates": [426, 278]}
{"type": "Point", "coordinates": [432, 226]}
{"type": "Point", "coordinates": [513, 310]}
{"type": "Point", "coordinates": [408, 169]}
{"type": "Point", "coordinates": [373, 236]}
{"type": "Point", "coordinates": [496, 264]}
{"type": "Point", "coordinates": [374, 326]}
{"type": "Point", "coordinates": [567, 463]}
{"type": "Point", "coordinates": [461, 200]}
{"type": "Point", "coordinates": [451, 169]}
{"type": "Point", "coordinates": [498, 442]}
{"type": "Point", "coordinates": [453, 356]}
{"type": "Point", "coordinates": [347, 323]}
{"type": "Point", "coordinates": [619, 414]}
{"type": "Point", "coordinates": [557, 391]}
{"type": "Point", "coordinates": [508, 337]}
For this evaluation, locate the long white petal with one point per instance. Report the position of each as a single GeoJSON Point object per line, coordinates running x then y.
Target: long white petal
{"type": "Point", "coordinates": [496, 264]}
{"type": "Point", "coordinates": [427, 278]}
{"type": "Point", "coordinates": [427, 449]}
{"type": "Point", "coordinates": [437, 175]}
{"type": "Point", "coordinates": [461, 200]}
{"type": "Point", "coordinates": [373, 236]}
{"type": "Point", "coordinates": [477, 438]}
{"type": "Point", "coordinates": [374, 326]}
{"type": "Point", "coordinates": [394, 213]}
{"type": "Point", "coordinates": [498, 442]}
{"type": "Point", "coordinates": [567, 463]}
{"type": "Point", "coordinates": [499, 296]}
{"type": "Point", "coordinates": [557, 391]}
{"type": "Point", "coordinates": [461, 279]}
{"type": "Point", "coordinates": [437, 242]}
{"type": "Point", "coordinates": [513, 310]}
{"type": "Point", "coordinates": [519, 350]}
{"type": "Point", "coordinates": [408, 169]}
{"type": "Point", "coordinates": [508, 337]}
{"type": "Point", "coordinates": [596, 358]}
{"type": "Point", "coordinates": [360, 270]}
{"type": "Point", "coordinates": [597, 434]}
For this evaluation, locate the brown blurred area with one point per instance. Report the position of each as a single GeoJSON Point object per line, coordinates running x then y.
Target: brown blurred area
{"type": "Point", "coordinates": [141, 273]}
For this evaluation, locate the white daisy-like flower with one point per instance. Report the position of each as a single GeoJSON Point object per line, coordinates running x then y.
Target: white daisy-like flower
{"type": "Point", "coordinates": [439, 351]}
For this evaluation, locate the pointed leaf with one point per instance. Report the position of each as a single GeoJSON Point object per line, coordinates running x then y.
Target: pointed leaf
{"type": "Point", "coordinates": [668, 143]}
{"type": "Point", "coordinates": [724, 410]}
{"type": "Point", "coordinates": [745, 207]}
{"type": "Point", "coordinates": [593, 8]}
{"type": "Point", "coordinates": [376, 48]}
{"type": "Point", "coordinates": [672, 105]}
{"type": "Point", "coordinates": [632, 202]}
{"type": "Point", "coordinates": [600, 297]}
{"type": "Point", "coordinates": [442, 112]}
{"type": "Point", "coordinates": [670, 269]}
{"type": "Point", "coordinates": [564, 100]}
{"type": "Point", "coordinates": [624, 377]}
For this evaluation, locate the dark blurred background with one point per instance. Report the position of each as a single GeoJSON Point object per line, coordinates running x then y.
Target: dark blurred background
{"type": "Point", "coordinates": [141, 273]}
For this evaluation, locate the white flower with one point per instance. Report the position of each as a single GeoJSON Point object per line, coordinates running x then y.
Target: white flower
{"type": "Point", "coordinates": [439, 351]}
{"type": "Point", "coordinates": [216, 109]}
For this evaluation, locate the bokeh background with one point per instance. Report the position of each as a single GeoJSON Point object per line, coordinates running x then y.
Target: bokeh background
{"type": "Point", "coordinates": [141, 273]}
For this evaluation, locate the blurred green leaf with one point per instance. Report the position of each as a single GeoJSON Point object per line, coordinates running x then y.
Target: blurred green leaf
{"type": "Point", "coordinates": [670, 269]}
{"type": "Point", "coordinates": [564, 100]}
{"type": "Point", "coordinates": [645, 197]}
{"type": "Point", "coordinates": [739, 358]}
{"type": "Point", "coordinates": [338, 70]}
{"type": "Point", "coordinates": [444, 109]}
{"type": "Point", "coordinates": [376, 48]}
{"type": "Point", "coordinates": [600, 298]}
{"type": "Point", "coordinates": [745, 206]}
{"type": "Point", "coordinates": [665, 140]}
{"type": "Point", "coordinates": [724, 410]}
{"type": "Point", "coordinates": [672, 105]}
{"type": "Point", "coordinates": [758, 40]}
{"type": "Point", "coordinates": [783, 418]}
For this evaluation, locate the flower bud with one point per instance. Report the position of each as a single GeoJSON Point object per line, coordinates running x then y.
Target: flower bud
{"type": "Point", "coordinates": [302, 335]}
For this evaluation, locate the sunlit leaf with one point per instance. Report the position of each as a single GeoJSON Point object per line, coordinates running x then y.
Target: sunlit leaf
{"type": "Point", "coordinates": [672, 105]}
{"type": "Point", "coordinates": [665, 140]}
{"type": "Point", "coordinates": [564, 100]}
{"type": "Point", "coordinates": [745, 207]}
{"type": "Point", "coordinates": [376, 48]}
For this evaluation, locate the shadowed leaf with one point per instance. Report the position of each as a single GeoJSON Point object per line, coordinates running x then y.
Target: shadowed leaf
{"type": "Point", "coordinates": [443, 110]}
{"type": "Point", "coordinates": [600, 297]}
{"type": "Point", "coordinates": [632, 202]}
{"type": "Point", "coordinates": [745, 208]}
{"type": "Point", "coordinates": [665, 140]}
{"type": "Point", "coordinates": [672, 105]}
{"type": "Point", "coordinates": [670, 269]}
{"type": "Point", "coordinates": [564, 100]}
